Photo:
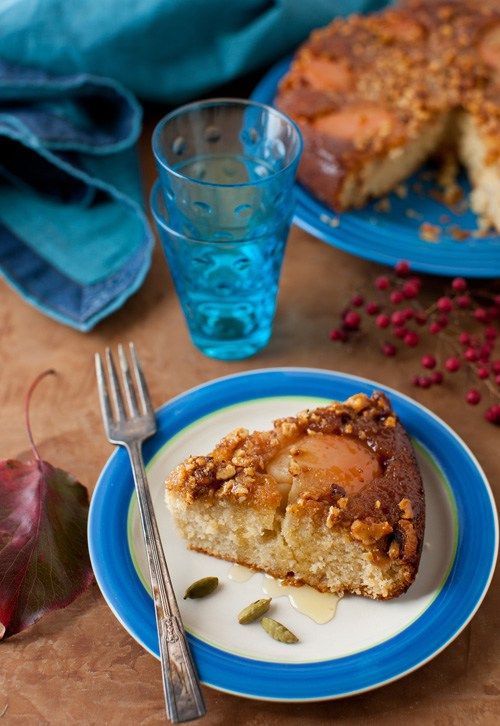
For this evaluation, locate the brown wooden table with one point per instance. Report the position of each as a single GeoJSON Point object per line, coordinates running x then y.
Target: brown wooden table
{"type": "Point", "coordinates": [79, 666]}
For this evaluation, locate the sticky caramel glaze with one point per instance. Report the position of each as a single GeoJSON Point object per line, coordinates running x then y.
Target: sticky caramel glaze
{"type": "Point", "coordinates": [385, 510]}
{"type": "Point", "coordinates": [414, 64]}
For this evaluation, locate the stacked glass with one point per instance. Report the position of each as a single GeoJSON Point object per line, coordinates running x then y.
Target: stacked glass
{"type": "Point", "coordinates": [223, 205]}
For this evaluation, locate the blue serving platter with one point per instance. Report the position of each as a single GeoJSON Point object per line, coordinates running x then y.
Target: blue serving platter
{"type": "Point", "coordinates": [368, 643]}
{"type": "Point", "coordinates": [392, 235]}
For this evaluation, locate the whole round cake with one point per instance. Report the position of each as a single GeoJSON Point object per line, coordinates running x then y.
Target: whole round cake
{"type": "Point", "coordinates": [376, 95]}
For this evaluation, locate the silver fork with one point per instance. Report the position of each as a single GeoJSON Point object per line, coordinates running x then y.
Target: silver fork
{"type": "Point", "coordinates": [184, 700]}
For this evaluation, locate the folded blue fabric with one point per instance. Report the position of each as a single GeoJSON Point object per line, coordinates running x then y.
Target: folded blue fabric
{"type": "Point", "coordinates": [168, 50]}
{"type": "Point", "coordinates": [74, 239]}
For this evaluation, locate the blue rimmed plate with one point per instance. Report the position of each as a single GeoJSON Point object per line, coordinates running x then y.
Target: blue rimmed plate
{"type": "Point", "coordinates": [368, 643]}
{"type": "Point", "coordinates": [389, 236]}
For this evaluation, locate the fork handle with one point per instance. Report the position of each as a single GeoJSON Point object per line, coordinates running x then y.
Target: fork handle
{"type": "Point", "coordinates": [183, 696]}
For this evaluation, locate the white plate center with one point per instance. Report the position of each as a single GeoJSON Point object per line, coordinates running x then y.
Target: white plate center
{"type": "Point", "coordinates": [359, 623]}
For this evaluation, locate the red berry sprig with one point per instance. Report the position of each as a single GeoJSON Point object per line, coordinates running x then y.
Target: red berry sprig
{"type": "Point", "coordinates": [461, 324]}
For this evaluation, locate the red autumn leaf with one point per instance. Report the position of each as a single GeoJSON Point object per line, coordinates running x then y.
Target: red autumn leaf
{"type": "Point", "coordinates": [44, 560]}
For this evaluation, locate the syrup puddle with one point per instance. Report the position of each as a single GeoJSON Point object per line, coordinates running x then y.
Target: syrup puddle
{"type": "Point", "coordinates": [319, 606]}
{"type": "Point", "coordinates": [238, 573]}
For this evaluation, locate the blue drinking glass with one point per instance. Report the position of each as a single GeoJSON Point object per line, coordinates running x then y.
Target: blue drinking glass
{"type": "Point", "coordinates": [227, 288]}
{"type": "Point", "coordinates": [227, 168]}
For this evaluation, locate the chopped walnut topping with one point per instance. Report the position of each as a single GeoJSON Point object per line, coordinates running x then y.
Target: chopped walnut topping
{"type": "Point", "coordinates": [239, 490]}
{"type": "Point", "coordinates": [390, 422]}
{"type": "Point", "coordinates": [406, 508]}
{"type": "Point", "coordinates": [393, 550]}
{"type": "Point", "coordinates": [226, 488]}
{"type": "Point", "coordinates": [383, 205]}
{"type": "Point", "coordinates": [288, 428]}
{"type": "Point", "coordinates": [333, 516]}
{"type": "Point", "coordinates": [377, 504]}
{"type": "Point", "coordinates": [369, 532]}
{"type": "Point", "coordinates": [410, 538]}
{"type": "Point", "coordinates": [358, 402]}
{"type": "Point", "coordinates": [429, 232]}
{"type": "Point", "coordinates": [343, 502]}
{"type": "Point", "coordinates": [226, 472]}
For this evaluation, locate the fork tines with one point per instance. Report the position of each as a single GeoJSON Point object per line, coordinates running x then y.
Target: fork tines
{"type": "Point", "coordinates": [113, 408]}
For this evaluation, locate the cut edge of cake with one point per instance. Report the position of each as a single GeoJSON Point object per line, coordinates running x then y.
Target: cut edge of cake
{"type": "Point", "coordinates": [427, 73]}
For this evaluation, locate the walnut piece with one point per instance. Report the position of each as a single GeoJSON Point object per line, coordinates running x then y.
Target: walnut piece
{"type": "Point", "coordinates": [333, 516]}
{"type": "Point", "coordinates": [226, 472]}
{"type": "Point", "coordinates": [406, 508]}
{"type": "Point", "coordinates": [369, 532]}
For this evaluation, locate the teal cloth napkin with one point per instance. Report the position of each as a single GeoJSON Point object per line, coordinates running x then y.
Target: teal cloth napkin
{"type": "Point", "coordinates": [74, 239]}
{"type": "Point", "coordinates": [167, 50]}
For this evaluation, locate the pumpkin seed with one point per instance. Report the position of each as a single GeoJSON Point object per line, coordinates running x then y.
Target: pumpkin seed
{"type": "Point", "coordinates": [202, 587]}
{"type": "Point", "coordinates": [278, 631]}
{"type": "Point", "coordinates": [254, 611]}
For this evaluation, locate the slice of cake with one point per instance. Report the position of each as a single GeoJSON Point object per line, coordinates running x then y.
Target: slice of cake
{"type": "Point", "coordinates": [376, 95]}
{"type": "Point", "coordinates": [332, 498]}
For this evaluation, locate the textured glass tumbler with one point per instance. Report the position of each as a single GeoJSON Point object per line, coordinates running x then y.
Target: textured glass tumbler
{"type": "Point", "coordinates": [227, 168]}
{"type": "Point", "coordinates": [227, 289]}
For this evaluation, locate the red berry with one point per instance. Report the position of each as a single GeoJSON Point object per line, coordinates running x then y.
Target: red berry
{"type": "Point", "coordinates": [481, 315]}
{"type": "Point", "coordinates": [402, 268]}
{"type": "Point", "coordinates": [382, 321]}
{"type": "Point", "coordinates": [357, 301]}
{"type": "Point", "coordinates": [425, 382]}
{"type": "Point", "coordinates": [352, 320]}
{"type": "Point", "coordinates": [411, 339]}
{"type": "Point", "coordinates": [444, 304]}
{"type": "Point", "coordinates": [471, 355]}
{"type": "Point", "coordinates": [492, 414]}
{"type": "Point", "coordinates": [396, 297]}
{"type": "Point", "coordinates": [428, 361]}
{"type": "Point", "coordinates": [442, 320]}
{"type": "Point", "coordinates": [338, 335]}
{"type": "Point", "coordinates": [408, 313]}
{"type": "Point", "coordinates": [400, 332]}
{"type": "Point", "coordinates": [388, 349]}
{"type": "Point", "coordinates": [372, 308]}
{"type": "Point", "coordinates": [482, 372]}
{"type": "Point", "coordinates": [398, 318]}
{"type": "Point", "coordinates": [485, 352]}
{"type": "Point", "coordinates": [495, 366]}
{"type": "Point", "coordinates": [420, 318]}
{"type": "Point", "coordinates": [436, 377]}
{"type": "Point", "coordinates": [490, 333]}
{"type": "Point", "coordinates": [382, 282]}
{"type": "Point", "coordinates": [464, 338]}
{"type": "Point", "coordinates": [497, 379]}
{"type": "Point", "coordinates": [452, 364]}
{"type": "Point", "coordinates": [416, 380]}
{"type": "Point", "coordinates": [434, 328]}
{"type": "Point", "coordinates": [459, 284]}
{"type": "Point", "coordinates": [496, 300]}
{"type": "Point", "coordinates": [463, 301]}
{"type": "Point", "coordinates": [473, 396]}
{"type": "Point", "coordinates": [410, 290]}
